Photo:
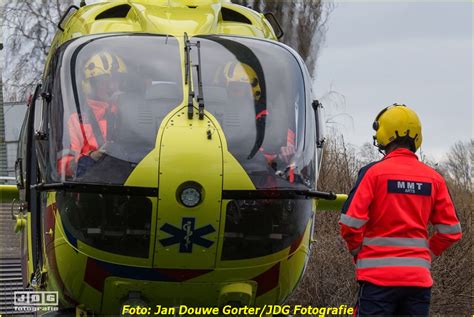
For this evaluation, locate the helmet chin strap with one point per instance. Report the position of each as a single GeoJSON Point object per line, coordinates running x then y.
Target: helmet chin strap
{"type": "Point", "coordinates": [379, 147]}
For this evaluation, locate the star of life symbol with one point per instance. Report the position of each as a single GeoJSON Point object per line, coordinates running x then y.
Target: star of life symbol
{"type": "Point", "coordinates": [32, 301]}
{"type": "Point", "coordinates": [187, 235]}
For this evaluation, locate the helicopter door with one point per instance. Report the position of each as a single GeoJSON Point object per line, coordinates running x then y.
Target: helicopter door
{"type": "Point", "coordinates": [27, 175]}
{"type": "Point", "coordinates": [190, 187]}
{"type": "Point", "coordinates": [20, 173]}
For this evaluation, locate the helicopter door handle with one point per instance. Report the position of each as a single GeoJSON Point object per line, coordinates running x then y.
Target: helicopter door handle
{"type": "Point", "coordinates": [12, 208]}
{"type": "Point", "coordinates": [19, 210]}
{"type": "Point", "coordinates": [50, 232]}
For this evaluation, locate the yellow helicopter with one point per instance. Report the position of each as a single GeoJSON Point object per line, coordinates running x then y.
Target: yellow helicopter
{"type": "Point", "coordinates": [170, 156]}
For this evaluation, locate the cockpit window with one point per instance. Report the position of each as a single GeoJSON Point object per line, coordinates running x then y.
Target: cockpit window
{"type": "Point", "coordinates": [116, 92]}
{"type": "Point", "coordinates": [256, 90]}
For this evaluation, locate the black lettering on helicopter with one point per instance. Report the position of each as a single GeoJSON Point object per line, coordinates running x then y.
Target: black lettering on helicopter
{"type": "Point", "coordinates": [187, 235]}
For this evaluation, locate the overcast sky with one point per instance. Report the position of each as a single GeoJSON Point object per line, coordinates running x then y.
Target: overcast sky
{"type": "Point", "coordinates": [418, 53]}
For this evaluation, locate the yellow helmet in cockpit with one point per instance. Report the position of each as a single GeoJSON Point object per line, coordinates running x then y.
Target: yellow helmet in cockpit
{"type": "Point", "coordinates": [239, 76]}
{"type": "Point", "coordinates": [102, 68]}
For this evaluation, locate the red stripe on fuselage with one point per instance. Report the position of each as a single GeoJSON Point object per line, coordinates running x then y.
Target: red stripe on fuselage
{"type": "Point", "coordinates": [95, 275]}
{"type": "Point", "coordinates": [268, 280]}
{"type": "Point", "coordinates": [183, 275]}
{"type": "Point", "coordinates": [49, 223]}
{"type": "Point", "coordinates": [97, 271]}
{"type": "Point", "coordinates": [295, 245]}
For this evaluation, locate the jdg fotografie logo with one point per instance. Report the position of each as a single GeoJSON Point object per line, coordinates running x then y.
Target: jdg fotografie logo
{"type": "Point", "coordinates": [30, 301]}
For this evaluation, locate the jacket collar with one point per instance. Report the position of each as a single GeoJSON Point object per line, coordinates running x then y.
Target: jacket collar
{"type": "Point", "coordinates": [401, 152]}
{"type": "Point", "coordinates": [99, 108]}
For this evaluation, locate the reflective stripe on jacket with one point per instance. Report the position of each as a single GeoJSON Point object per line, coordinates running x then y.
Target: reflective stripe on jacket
{"type": "Point", "coordinates": [385, 221]}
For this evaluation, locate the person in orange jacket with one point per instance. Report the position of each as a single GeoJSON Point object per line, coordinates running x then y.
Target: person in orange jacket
{"type": "Point", "coordinates": [386, 217]}
{"type": "Point", "coordinates": [244, 85]}
{"type": "Point", "coordinates": [90, 132]}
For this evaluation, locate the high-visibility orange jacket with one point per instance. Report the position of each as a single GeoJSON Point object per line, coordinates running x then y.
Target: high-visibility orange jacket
{"type": "Point", "coordinates": [82, 136]}
{"type": "Point", "coordinates": [385, 221]}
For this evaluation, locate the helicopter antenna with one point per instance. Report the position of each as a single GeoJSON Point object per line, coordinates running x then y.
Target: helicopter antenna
{"type": "Point", "coordinates": [83, 3]}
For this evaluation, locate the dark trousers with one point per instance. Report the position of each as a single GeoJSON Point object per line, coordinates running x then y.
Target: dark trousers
{"type": "Point", "coordinates": [374, 300]}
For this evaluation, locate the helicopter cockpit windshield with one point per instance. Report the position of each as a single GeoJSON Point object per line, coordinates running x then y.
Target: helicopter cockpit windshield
{"type": "Point", "coordinates": [256, 90]}
{"type": "Point", "coordinates": [114, 100]}
{"type": "Point", "coordinates": [113, 109]}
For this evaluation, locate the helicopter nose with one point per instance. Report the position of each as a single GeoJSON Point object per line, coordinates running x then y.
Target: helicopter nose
{"type": "Point", "coordinates": [190, 188]}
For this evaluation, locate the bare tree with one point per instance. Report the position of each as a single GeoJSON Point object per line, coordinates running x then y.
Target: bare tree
{"type": "Point", "coordinates": [28, 30]}
{"type": "Point", "coordinates": [368, 153]}
{"type": "Point", "coordinates": [457, 167]}
{"type": "Point", "coordinates": [304, 23]}
{"type": "Point", "coordinates": [340, 165]}
{"type": "Point", "coordinates": [453, 295]}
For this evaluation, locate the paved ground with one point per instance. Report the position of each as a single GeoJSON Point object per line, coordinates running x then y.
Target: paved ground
{"type": "Point", "coordinates": [10, 264]}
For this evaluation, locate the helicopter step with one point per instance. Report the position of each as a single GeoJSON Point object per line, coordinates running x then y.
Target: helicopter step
{"type": "Point", "coordinates": [10, 282]}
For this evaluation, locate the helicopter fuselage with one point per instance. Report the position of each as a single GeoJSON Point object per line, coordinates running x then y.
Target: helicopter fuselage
{"type": "Point", "coordinates": [201, 192]}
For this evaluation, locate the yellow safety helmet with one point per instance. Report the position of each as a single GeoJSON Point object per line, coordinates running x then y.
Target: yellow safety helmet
{"type": "Point", "coordinates": [236, 73]}
{"type": "Point", "coordinates": [396, 122]}
{"type": "Point", "coordinates": [101, 64]}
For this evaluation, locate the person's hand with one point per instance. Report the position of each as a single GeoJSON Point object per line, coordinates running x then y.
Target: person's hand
{"type": "Point", "coordinates": [106, 147]}
{"type": "Point", "coordinates": [354, 253]}
{"type": "Point", "coordinates": [96, 155]}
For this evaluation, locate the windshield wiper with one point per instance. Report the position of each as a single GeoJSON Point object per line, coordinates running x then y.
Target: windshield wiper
{"type": "Point", "coordinates": [200, 98]}
{"type": "Point", "coordinates": [187, 78]}
{"type": "Point", "coordinates": [188, 65]}
{"type": "Point", "coordinates": [277, 194]}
